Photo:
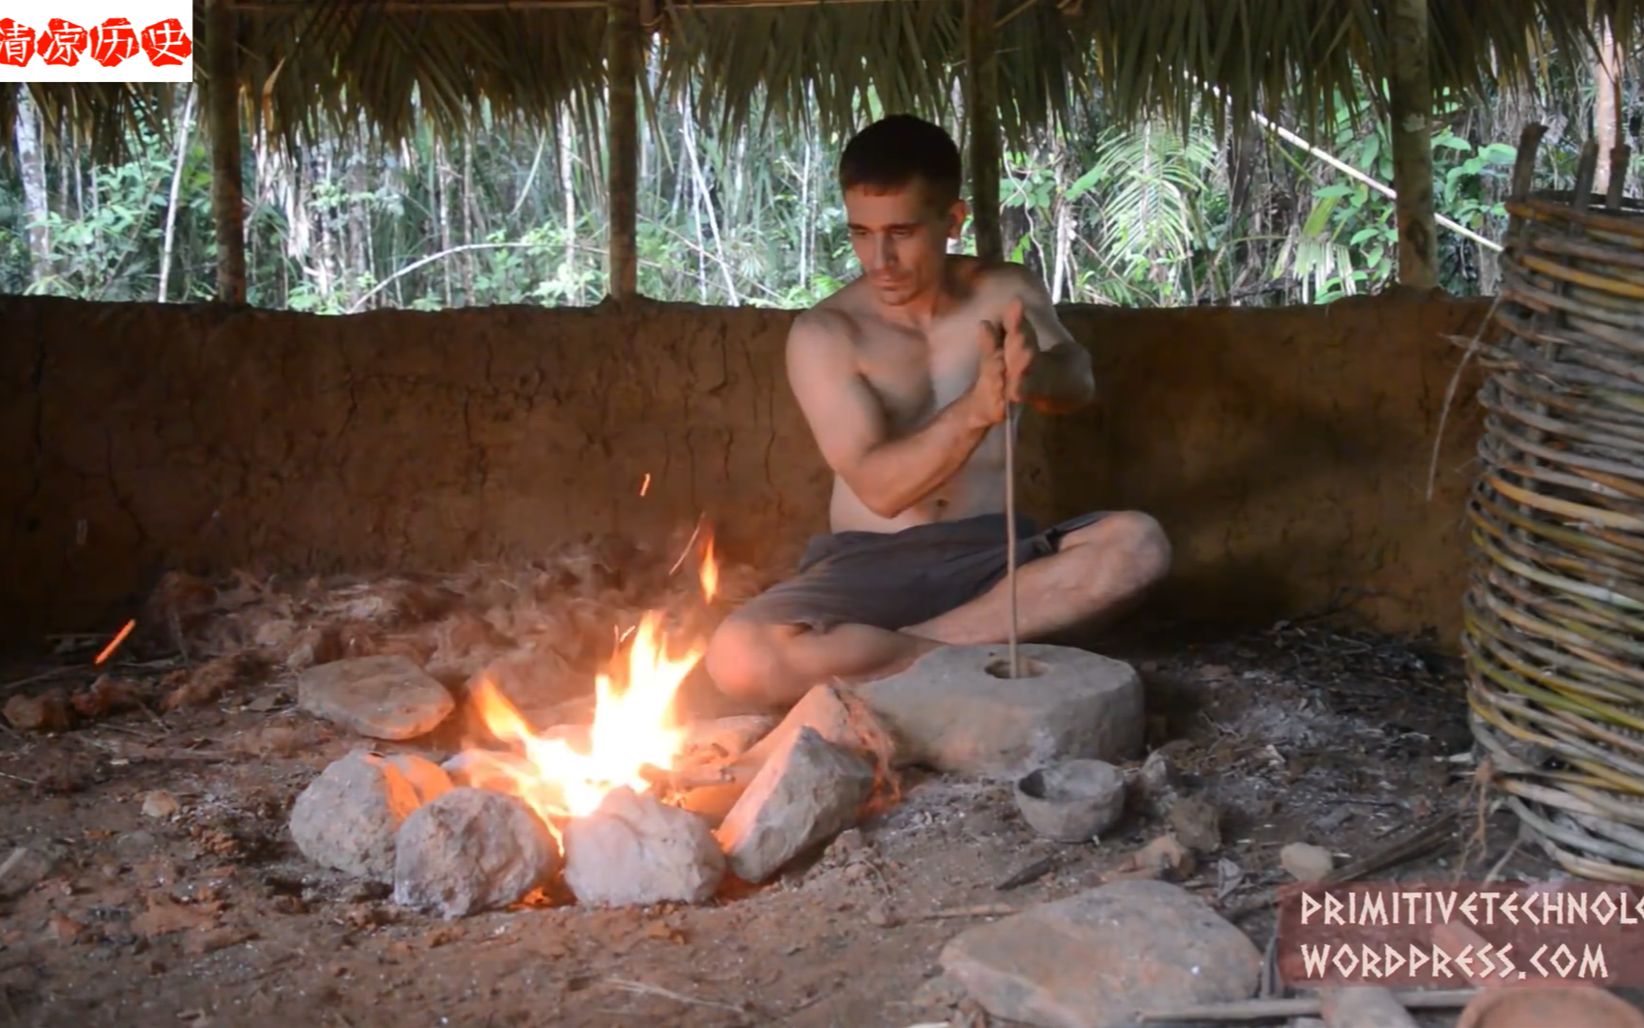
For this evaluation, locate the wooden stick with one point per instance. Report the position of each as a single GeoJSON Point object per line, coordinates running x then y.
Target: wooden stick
{"type": "Point", "coordinates": [1010, 533]}
{"type": "Point", "coordinates": [985, 910]}
{"type": "Point", "coordinates": [1303, 1006]}
{"type": "Point", "coordinates": [1031, 873]}
{"type": "Point", "coordinates": [44, 676]}
{"type": "Point", "coordinates": [1407, 847]}
{"type": "Point", "coordinates": [679, 780]}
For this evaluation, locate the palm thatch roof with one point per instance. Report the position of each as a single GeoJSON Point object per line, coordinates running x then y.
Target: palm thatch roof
{"type": "Point", "coordinates": [308, 66]}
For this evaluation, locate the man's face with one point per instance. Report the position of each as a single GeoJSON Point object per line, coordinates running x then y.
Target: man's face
{"type": "Point", "coordinates": [901, 237]}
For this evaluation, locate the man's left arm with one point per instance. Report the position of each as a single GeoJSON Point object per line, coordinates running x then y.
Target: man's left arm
{"type": "Point", "coordinates": [1052, 371]}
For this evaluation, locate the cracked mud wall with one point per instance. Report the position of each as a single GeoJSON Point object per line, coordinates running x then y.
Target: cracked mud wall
{"type": "Point", "coordinates": [1285, 451]}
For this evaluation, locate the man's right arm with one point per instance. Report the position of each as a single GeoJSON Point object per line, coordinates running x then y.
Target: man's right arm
{"type": "Point", "coordinates": [888, 474]}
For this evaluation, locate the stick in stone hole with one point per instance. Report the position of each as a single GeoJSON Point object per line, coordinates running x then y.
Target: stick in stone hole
{"type": "Point", "coordinates": [1010, 525]}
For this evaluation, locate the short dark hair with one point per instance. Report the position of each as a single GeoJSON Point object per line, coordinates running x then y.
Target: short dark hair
{"type": "Point", "coordinates": [895, 150]}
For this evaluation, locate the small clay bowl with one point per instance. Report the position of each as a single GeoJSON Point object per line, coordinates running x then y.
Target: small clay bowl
{"type": "Point", "coordinates": [1545, 1006]}
{"type": "Point", "coordinates": [1072, 801]}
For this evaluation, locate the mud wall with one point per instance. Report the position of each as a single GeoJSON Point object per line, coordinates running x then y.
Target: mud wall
{"type": "Point", "coordinates": [1285, 451]}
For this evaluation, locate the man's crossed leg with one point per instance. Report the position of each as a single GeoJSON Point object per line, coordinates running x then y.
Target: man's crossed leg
{"type": "Point", "coordinates": [865, 604]}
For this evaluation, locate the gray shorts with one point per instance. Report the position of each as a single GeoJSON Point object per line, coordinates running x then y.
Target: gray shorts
{"type": "Point", "coordinates": [892, 580]}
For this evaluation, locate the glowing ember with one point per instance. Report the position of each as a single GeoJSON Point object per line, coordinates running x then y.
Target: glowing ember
{"type": "Point", "coordinates": [114, 644]}
{"type": "Point", "coordinates": [633, 731]}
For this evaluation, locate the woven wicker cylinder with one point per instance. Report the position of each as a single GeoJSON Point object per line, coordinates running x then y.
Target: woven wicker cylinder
{"type": "Point", "coordinates": [1554, 612]}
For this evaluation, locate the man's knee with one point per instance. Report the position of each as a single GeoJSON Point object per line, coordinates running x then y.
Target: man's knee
{"type": "Point", "coordinates": [746, 659]}
{"type": "Point", "coordinates": [1147, 544]}
{"type": "Point", "coordinates": [1136, 539]}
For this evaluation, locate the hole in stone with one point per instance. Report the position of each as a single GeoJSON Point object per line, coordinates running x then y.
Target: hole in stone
{"type": "Point", "coordinates": [1033, 785]}
{"type": "Point", "coordinates": [1026, 667]}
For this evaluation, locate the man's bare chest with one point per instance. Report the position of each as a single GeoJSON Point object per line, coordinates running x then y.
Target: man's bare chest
{"type": "Point", "coordinates": [915, 375]}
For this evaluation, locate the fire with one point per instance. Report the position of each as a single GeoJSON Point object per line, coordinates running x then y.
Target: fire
{"type": "Point", "coordinates": [634, 729]}
{"type": "Point", "coordinates": [710, 571]}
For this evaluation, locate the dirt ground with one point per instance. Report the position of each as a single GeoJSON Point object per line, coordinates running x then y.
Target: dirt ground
{"type": "Point", "coordinates": [207, 915]}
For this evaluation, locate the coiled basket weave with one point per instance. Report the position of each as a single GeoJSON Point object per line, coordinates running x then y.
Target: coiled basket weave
{"type": "Point", "coordinates": [1554, 612]}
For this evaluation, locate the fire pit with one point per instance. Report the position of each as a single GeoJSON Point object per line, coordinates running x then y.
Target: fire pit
{"type": "Point", "coordinates": [634, 803]}
{"type": "Point", "coordinates": [522, 808]}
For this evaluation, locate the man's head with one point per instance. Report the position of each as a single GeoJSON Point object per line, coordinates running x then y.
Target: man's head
{"type": "Point", "coordinates": [900, 177]}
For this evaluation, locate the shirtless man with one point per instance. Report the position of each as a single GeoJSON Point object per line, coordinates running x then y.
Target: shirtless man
{"type": "Point", "coordinates": [904, 376]}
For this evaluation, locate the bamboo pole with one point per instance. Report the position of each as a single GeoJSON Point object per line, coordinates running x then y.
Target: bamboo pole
{"type": "Point", "coordinates": [982, 108]}
{"type": "Point", "coordinates": [622, 50]}
{"type": "Point", "coordinates": [1412, 110]}
{"type": "Point", "coordinates": [227, 198]}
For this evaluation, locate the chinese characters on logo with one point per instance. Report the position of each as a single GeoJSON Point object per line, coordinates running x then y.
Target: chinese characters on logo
{"type": "Point", "coordinates": [110, 43]}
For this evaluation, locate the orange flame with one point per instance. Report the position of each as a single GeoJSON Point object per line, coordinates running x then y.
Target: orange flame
{"type": "Point", "coordinates": [710, 571]}
{"type": "Point", "coordinates": [634, 727]}
{"type": "Point", "coordinates": [645, 486]}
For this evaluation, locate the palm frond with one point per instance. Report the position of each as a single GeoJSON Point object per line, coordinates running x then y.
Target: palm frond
{"type": "Point", "coordinates": [330, 65]}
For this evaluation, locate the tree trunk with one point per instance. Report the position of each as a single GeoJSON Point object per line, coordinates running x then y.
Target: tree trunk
{"type": "Point", "coordinates": [442, 198]}
{"type": "Point", "coordinates": [1061, 267]}
{"type": "Point", "coordinates": [622, 41]}
{"type": "Point", "coordinates": [36, 207]}
{"type": "Point", "coordinates": [227, 198]}
{"type": "Point", "coordinates": [62, 170]}
{"type": "Point", "coordinates": [359, 225]}
{"type": "Point", "coordinates": [568, 193]}
{"type": "Point", "coordinates": [805, 218]}
{"type": "Point", "coordinates": [1606, 105]}
{"type": "Point", "coordinates": [79, 176]}
{"type": "Point", "coordinates": [185, 124]}
{"type": "Point", "coordinates": [468, 266]}
{"type": "Point", "coordinates": [707, 201]}
{"type": "Point", "coordinates": [982, 103]}
{"type": "Point", "coordinates": [1412, 109]}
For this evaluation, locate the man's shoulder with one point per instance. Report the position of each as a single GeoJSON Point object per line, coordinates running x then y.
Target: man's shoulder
{"type": "Point", "coordinates": [1004, 278]}
{"type": "Point", "coordinates": [832, 320]}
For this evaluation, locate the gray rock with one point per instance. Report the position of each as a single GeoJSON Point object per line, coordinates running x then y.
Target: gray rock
{"type": "Point", "coordinates": [425, 776]}
{"type": "Point", "coordinates": [27, 866]}
{"type": "Point", "coordinates": [1154, 785]}
{"type": "Point", "coordinates": [387, 697]}
{"type": "Point", "coordinates": [806, 793]}
{"type": "Point", "coordinates": [347, 817]}
{"type": "Point", "coordinates": [1197, 823]}
{"type": "Point", "coordinates": [837, 717]}
{"type": "Point", "coordinates": [939, 992]}
{"type": "Point", "coordinates": [536, 681]}
{"type": "Point", "coordinates": [1306, 862]}
{"type": "Point", "coordinates": [1365, 1006]}
{"type": "Point", "coordinates": [471, 850]}
{"type": "Point", "coordinates": [635, 851]}
{"type": "Point", "coordinates": [1096, 959]}
{"type": "Point", "coordinates": [951, 712]}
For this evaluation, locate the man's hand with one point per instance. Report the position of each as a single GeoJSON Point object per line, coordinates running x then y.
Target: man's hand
{"type": "Point", "coordinates": [988, 395]}
{"type": "Point", "coordinates": [1021, 348]}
